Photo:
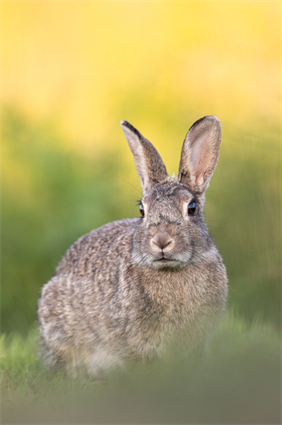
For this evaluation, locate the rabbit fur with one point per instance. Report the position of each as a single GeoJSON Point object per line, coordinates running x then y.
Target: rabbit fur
{"type": "Point", "coordinates": [124, 290]}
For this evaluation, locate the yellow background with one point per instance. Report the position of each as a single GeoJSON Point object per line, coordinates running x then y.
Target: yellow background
{"type": "Point", "coordinates": [91, 64]}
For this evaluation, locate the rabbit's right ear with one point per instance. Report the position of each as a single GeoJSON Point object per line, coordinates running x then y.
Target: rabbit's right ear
{"type": "Point", "coordinates": [149, 164]}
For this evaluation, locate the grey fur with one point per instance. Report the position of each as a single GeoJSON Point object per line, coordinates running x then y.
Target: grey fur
{"type": "Point", "coordinates": [124, 290]}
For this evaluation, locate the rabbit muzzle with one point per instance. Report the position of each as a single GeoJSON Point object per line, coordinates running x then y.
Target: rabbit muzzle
{"type": "Point", "coordinates": [162, 243]}
{"type": "Point", "coordinates": [162, 247]}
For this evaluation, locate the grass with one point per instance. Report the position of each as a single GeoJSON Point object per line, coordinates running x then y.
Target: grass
{"type": "Point", "coordinates": [236, 381]}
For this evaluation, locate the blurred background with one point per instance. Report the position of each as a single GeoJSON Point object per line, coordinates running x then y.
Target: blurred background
{"type": "Point", "coordinates": [72, 70]}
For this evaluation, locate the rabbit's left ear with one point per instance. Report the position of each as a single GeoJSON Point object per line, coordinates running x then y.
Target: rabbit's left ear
{"type": "Point", "coordinates": [200, 154]}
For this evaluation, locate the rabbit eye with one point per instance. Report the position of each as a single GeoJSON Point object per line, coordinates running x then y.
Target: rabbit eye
{"type": "Point", "coordinates": [141, 210]}
{"type": "Point", "coordinates": [191, 208]}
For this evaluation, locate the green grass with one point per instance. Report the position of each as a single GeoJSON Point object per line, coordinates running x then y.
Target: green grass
{"type": "Point", "coordinates": [236, 381]}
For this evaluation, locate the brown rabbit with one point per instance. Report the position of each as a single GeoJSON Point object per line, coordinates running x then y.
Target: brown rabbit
{"type": "Point", "coordinates": [124, 290]}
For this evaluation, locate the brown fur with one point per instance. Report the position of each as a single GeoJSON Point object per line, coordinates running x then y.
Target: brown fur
{"type": "Point", "coordinates": [123, 291]}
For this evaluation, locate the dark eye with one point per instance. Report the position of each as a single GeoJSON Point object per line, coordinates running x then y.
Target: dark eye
{"type": "Point", "coordinates": [192, 208]}
{"type": "Point", "coordinates": [142, 210]}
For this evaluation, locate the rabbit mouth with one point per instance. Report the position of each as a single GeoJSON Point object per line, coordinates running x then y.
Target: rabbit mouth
{"type": "Point", "coordinates": [171, 262]}
{"type": "Point", "coordinates": [165, 262]}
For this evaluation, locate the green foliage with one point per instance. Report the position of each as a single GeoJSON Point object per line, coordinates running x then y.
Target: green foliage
{"type": "Point", "coordinates": [236, 381]}
{"type": "Point", "coordinates": [243, 215]}
{"type": "Point", "coordinates": [51, 195]}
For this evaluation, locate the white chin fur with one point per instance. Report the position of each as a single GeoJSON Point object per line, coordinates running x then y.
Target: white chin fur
{"type": "Point", "coordinates": [170, 264]}
{"type": "Point", "coordinates": [147, 260]}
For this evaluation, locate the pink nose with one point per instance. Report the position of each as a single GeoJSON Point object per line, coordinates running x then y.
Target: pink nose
{"type": "Point", "coordinates": [162, 242]}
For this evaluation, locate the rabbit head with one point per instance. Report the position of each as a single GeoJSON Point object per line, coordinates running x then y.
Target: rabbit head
{"type": "Point", "coordinates": [171, 232]}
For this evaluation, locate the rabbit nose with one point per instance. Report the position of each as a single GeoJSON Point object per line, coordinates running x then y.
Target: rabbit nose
{"type": "Point", "coordinates": [162, 242]}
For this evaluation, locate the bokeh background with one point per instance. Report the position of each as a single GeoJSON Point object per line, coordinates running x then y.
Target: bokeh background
{"type": "Point", "coordinates": [72, 70]}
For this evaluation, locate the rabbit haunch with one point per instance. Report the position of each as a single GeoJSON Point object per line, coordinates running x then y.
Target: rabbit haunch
{"type": "Point", "coordinates": [124, 290]}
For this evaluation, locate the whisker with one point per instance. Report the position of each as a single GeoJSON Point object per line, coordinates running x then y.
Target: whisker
{"type": "Point", "coordinates": [115, 175]}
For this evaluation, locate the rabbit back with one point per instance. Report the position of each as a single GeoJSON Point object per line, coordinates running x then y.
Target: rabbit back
{"type": "Point", "coordinates": [73, 310]}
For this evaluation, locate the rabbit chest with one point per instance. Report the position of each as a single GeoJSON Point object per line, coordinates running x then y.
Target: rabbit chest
{"type": "Point", "coordinates": [156, 306]}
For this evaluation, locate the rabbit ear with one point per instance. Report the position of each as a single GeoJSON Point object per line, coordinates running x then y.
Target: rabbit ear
{"type": "Point", "coordinates": [200, 154]}
{"type": "Point", "coordinates": [149, 164]}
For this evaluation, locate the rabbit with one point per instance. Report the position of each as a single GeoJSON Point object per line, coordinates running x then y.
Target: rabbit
{"type": "Point", "coordinates": [123, 291]}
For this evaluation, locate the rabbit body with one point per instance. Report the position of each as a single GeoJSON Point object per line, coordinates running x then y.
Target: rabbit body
{"type": "Point", "coordinates": [124, 290]}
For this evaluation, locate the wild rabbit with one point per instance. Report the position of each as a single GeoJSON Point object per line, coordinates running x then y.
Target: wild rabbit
{"type": "Point", "coordinates": [124, 290]}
